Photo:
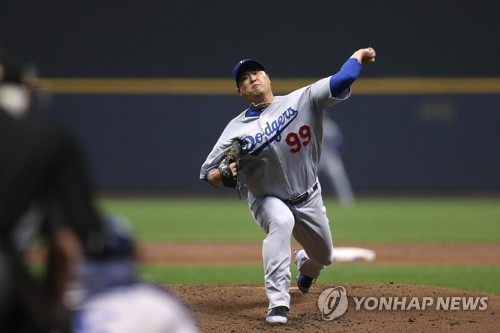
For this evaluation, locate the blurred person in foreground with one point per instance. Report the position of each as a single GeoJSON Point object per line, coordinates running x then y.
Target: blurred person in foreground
{"type": "Point", "coordinates": [331, 170]}
{"type": "Point", "coordinates": [108, 296]}
{"type": "Point", "coordinates": [45, 195]}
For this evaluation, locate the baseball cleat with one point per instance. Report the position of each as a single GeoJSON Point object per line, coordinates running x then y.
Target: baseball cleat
{"type": "Point", "coordinates": [304, 282]}
{"type": "Point", "coordinates": [277, 315]}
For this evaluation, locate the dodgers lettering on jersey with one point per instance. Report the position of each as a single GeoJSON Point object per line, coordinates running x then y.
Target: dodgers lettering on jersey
{"type": "Point", "coordinates": [282, 146]}
{"type": "Point", "coordinates": [253, 144]}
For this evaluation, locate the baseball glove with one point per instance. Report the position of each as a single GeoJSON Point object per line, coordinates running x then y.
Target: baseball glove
{"type": "Point", "coordinates": [231, 155]}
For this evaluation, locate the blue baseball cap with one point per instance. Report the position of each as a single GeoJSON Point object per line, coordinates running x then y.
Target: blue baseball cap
{"type": "Point", "coordinates": [244, 65]}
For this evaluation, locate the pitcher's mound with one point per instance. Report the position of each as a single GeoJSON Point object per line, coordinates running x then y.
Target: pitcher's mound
{"type": "Point", "coordinates": [242, 308]}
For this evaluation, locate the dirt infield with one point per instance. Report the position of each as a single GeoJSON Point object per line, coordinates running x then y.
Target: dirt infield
{"type": "Point", "coordinates": [242, 308]}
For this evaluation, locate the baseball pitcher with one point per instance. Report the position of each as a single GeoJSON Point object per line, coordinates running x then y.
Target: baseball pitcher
{"type": "Point", "coordinates": [280, 139]}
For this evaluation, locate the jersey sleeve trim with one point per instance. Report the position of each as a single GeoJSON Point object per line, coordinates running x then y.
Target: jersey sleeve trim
{"type": "Point", "coordinates": [343, 79]}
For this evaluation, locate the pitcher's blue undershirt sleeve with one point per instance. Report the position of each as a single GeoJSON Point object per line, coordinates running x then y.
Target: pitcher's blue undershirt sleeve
{"type": "Point", "coordinates": [345, 77]}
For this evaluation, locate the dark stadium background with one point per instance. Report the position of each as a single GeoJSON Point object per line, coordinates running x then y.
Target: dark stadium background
{"type": "Point", "coordinates": [156, 143]}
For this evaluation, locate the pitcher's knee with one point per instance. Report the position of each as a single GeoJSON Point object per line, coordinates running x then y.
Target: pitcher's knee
{"type": "Point", "coordinates": [327, 259]}
{"type": "Point", "coordinates": [282, 224]}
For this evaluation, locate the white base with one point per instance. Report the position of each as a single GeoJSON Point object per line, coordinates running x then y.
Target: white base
{"type": "Point", "coordinates": [348, 254]}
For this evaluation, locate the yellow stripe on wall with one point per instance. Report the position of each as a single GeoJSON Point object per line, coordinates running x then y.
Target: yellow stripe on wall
{"type": "Point", "coordinates": [203, 86]}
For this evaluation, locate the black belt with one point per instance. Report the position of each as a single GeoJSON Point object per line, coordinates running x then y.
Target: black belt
{"type": "Point", "coordinates": [301, 198]}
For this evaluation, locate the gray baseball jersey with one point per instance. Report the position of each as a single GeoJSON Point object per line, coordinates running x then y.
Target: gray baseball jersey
{"type": "Point", "coordinates": [282, 146]}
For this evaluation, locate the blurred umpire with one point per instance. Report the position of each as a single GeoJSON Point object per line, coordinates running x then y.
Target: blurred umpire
{"type": "Point", "coordinates": [44, 195]}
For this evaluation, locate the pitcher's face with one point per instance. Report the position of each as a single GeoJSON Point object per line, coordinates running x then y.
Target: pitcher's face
{"type": "Point", "coordinates": [254, 85]}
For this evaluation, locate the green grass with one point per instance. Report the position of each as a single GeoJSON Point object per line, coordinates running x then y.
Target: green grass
{"type": "Point", "coordinates": [370, 220]}
{"type": "Point", "coordinates": [478, 278]}
{"type": "Point", "coordinates": [474, 278]}
{"type": "Point", "coordinates": [419, 220]}
{"type": "Point", "coordinates": [187, 220]}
